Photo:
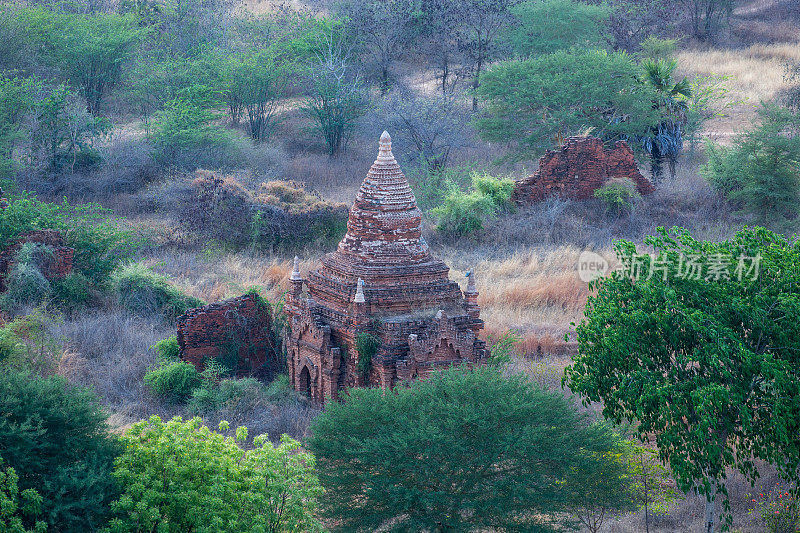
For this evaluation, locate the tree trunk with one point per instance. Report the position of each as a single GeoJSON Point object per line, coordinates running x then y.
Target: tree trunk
{"type": "Point", "coordinates": [477, 81]}
{"type": "Point", "coordinates": [710, 526]}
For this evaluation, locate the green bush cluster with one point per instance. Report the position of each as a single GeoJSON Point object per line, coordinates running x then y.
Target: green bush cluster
{"type": "Point", "coordinates": [618, 195]}
{"type": "Point", "coordinates": [55, 434]}
{"type": "Point", "coordinates": [168, 349]}
{"type": "Point", "coordinates": [141, 291]}
{"type": "Point", "coordinates": [175, 380]}
{"type": "Point", "coordinates": [230, 392]}
{"type": "Point", "coordinates": [367, 346]}
{"type": "Point", "coordinates": [100, 242]}
{"type": "Point", "coordinates": [465, 213]}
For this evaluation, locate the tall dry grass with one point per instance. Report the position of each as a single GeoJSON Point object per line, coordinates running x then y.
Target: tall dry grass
{"type": "Point", "coordinates": [755, 74]}
{"type": "Point", "coordinates": [534, 292]}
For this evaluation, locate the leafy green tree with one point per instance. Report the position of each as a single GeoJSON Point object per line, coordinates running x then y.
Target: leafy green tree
{"type": "Point", "coordinates": [16, 505]}
{"type": "Point", "coordinates": [64, 134]}
{"type": "Point", "coordinates": [56, 437]}
{"type": "Point", "coordinates": [602, 487]}
{"type": "Point", "coordinates": [180, 476]}
{"type": "Point", "coordinates": [338, 97]}
{"type": "Point", "coordinates": [254, 82]}
{"type": "Point", "coordinates": [650, 482]}
{"type": "Point", "coordinates": [187, 126]}
{"type": "Point", "coordinates": [458, 451]}
{"type": "Point", "coordinates": [16, 97]}
{"type": "Point", "coordinates": [88, 50]}
{"type": "Point", "coordinates": [552, 25]}
{"type": "Point", "coordinates": [760, 173]}
{"type": "Point", "coordinates": [531, 102]}
{"type": "Point", "coordinates": [91, 51]}
{"type": "Point", "coordinates": [705, 358]}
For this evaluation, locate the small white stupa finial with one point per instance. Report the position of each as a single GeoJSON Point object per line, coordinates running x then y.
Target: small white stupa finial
{"type": "Point", "coordinates": [385, 147]}
{"type": "Point", "coordinates": [471, 282]}
{"type": "Point", "coordinates": [359, 298]}
{"type": "Point", "coordinates": [296, 270]}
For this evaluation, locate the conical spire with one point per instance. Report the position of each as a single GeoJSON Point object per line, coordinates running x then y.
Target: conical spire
{"type": "Point", "coordinates": [471, 282]}
{"type": "Point", "coordinates": [295, 270]}
{"type": "Point", "coordinates": [384, 222]}
{"type": "Point", "coordinates": [359, 298]}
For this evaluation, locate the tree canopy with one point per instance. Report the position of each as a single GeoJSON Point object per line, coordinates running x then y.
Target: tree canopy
{"type": "Point", "coordinates": [55, 437]}
{"type": "Point", "coordinates": [699, 347]}
{"type": "Point", "coordinates": [531, 101]}
{"type": "Point", "coordinates": [543, 27]}
{"type": "Point", "coordinates": [180, 476]}
{"type": "Point", "coordinates": [459, 451]}
{"type": "Point", "coordinates": [760, 173]}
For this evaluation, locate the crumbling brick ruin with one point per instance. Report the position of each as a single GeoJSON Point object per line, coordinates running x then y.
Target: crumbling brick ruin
{"type": "Point", "coordinates": [236, 333]}
{"type": "Point", "coordinates": [57, 265]}
{"type": "Point", "coordinates": [383, 282]}
{"type": "Point", "coordinates": [580, 167]}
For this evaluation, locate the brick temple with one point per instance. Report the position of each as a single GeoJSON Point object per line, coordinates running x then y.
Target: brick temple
{"type": "Point", "coordinates": [383, 282]}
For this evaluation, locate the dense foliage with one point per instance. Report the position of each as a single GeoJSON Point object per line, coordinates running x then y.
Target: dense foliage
{"type": "Point", "coordinates": [461, 451]}
{"type": "Point", "coordinates": [532, 102]}
{"type": "Point", "coordinates": [180, 476]}
{"type": "Point", "coordinates": [142, 291]}
{"type": "Point", "coordinates": [703, 357]}
{"type": "Point", "coordinates": [760, 173]}
{"type": "Point", "coordinates": [54, 436]}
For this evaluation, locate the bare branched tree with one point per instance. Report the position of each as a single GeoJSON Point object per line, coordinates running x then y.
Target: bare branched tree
{"type": "Point", "coordinates": [480, 22]}
{"type": "Point", "coordinates": [433, 125]}
{"type": "Point", "coordinates": [338, 96]}
{"type": "Point", "coordinates": [382, 28]}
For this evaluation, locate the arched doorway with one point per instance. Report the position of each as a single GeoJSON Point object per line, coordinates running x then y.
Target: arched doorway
{"type": "Point", "coordinates": [304, 382]}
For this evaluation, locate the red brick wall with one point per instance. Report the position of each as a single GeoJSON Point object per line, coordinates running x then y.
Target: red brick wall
{"type": "Point", "coordinates": [237, 329]}
{"type": "Point", "coordinates": [581, 166]}
{"type": "Point", "coordinates": [56, 268]}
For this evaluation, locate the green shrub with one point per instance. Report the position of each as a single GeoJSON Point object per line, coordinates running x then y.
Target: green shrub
{"type": "Point", "coordinates": [11, 345]}
{"type": "Point", "coordinates": [281, 390]}
{"type": "Point", "coordinates": [431, 185]}
{"type": "Point", "coordinates": [185, 131]}
{"type": "Point", "coordinates": [618, 195]}
{"type": "Point", "coordinates": [168, 349]}
{"type": "Point", "coordinates": [179, 476]}
{"type": "Point", "coordinates": [175, 381]}
{"type": "Point", "coordinates": [99, 241]}
{"type": "Point", "coordinates": [464, 214]}
{"type": "Point", "coordinates": [498, 189]}
{"type": "Point", "coordinates": [55, 434]}
{"type": "Point", "coordinates": [16, 504]}
{"type": "Point", "coordinates": [72, 292]}
{"type": "Point", "coordinates": [26, 286]}
{"type": "Point", "coordinates": [367, 345]}
{"type": "Point", "coordinates": [143, 292]}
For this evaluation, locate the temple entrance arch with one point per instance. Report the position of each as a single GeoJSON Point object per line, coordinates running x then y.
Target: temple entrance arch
{"type": "Point", "coordinates": [304, 382]}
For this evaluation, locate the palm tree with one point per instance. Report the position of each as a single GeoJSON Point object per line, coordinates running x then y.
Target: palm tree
{"type": "Point", "coordinates": [665, 140]}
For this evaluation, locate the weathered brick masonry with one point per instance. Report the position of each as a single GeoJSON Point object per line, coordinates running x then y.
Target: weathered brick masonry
{"type": "Point", "coordinates": [580, 167]}
{"type": "Point", "coordinates": [235, 332]}
{"type": "Point", "coordinates": [382, 280]}
{"type": "Point", "coordinates": [57, 266]}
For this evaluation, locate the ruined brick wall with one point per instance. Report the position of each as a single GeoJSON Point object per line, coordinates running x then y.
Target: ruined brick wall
{"type": "Point", "coordinates": [580, 167]}
{"type": "Point", "coordinates": [56, 267]}
{"type": "Point", "coordinates": [235, 333]}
